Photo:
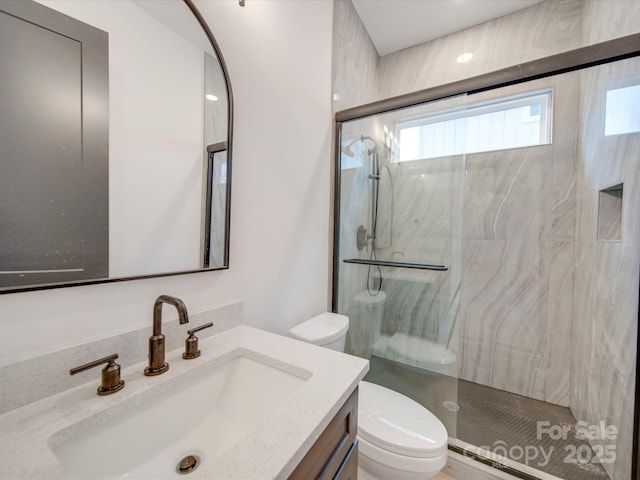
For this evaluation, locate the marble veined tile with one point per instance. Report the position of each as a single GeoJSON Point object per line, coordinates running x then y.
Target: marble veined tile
{"type": "Point", "coordinates": [559, 260]}
{"type": "Point", "coordinates": [607, 160]}
{"type": "Point", "coordinates": [604, 335]}
{"type": "Point", "coordinates": [565, 156]}
{"type": "Point", "coordinates": [504, 193]}
{"type": "Point", "coordinates": [425, 202]}
{"type": "Point", "coordinates": [355, 60]}
{"type": "Point", "coordinates": [543, 29]}
{"type": "Point", "coordinates": [633, 17]}
{"type": "Point", "coordinates": [602, 20]}
{"type": "Point", "coordinates": [423, 66]}
{"type": "Point", "coordinates": [503, 341]}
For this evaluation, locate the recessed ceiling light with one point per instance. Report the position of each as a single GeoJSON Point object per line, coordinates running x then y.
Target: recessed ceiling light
{"type": "Point", "coordinates": [213, 98]}
{"type": "Point", "coordinates": [464, 58]}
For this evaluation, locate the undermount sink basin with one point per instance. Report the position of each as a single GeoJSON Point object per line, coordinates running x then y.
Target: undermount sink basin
{"type": "Point", "coordinates": [201, 415]}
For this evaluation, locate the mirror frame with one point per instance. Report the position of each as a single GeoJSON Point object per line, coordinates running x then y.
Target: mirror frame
{"type": "Point", "coordinates": [229, 143]}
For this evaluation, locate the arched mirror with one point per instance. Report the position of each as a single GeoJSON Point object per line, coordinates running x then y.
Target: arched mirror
{"type": "Point", "coordinates": [115, 142]}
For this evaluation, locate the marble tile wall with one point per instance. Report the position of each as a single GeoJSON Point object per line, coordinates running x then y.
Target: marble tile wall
{"type": "Point", "coordinates": [355, 60]}
{"type": "Point", "coordinates": [517, 275]}
{"type": "Point", "coordinates": [544, 29]}
{"type": "Point", "coordinates": [607, 19]}
{"type": "Point", "coordinates": [606, 271]}
{"type": "Point", "coordinates": [355, 64]}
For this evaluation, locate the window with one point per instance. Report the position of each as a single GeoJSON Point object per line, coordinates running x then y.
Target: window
{"type": "Point", "coordinates": [510, 122]}
{"type": "Point", "coordinates": [623, 111]}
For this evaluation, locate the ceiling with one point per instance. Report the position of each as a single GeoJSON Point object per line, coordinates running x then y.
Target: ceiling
{"type": "Point", "coordinates": [397, 24]}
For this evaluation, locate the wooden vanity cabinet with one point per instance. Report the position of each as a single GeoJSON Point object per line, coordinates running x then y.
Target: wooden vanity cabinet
{"type": "Point", "coordinates": [334, 456]}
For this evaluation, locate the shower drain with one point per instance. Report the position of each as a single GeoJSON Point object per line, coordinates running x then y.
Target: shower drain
{"type": "Point", "coordinates": [188, 464]}
{"type": "Point", "coordinates": [451, 406]}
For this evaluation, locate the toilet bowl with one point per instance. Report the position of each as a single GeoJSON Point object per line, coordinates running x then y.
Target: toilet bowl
{"type": "Point", "coordinates": [399, 439]}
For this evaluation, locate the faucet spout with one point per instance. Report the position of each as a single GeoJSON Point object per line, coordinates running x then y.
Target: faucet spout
{"type": "Point", "coordinates": [157, 365]}
{"type": "Point", "coordinates": [183, 316]}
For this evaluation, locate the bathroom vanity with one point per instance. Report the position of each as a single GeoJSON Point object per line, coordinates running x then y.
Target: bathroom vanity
{"type": "Point", "coordinates": [335, 453]}
{"type": "Point", "coordinates": [253, 405]}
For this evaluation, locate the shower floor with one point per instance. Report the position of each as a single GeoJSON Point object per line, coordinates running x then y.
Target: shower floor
{"type": "Point", "coordinates": [499, 421]}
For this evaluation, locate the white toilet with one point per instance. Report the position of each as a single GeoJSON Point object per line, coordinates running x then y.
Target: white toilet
{"type": "Point", "coordinates": [399, 439]}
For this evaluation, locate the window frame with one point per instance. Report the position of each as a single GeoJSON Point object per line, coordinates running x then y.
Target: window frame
{"type": "Point", "coordinates": [544, 95]}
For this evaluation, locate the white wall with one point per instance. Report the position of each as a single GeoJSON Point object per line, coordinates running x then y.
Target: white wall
{"type": "Point", "coordinates": [279, 60]}
{"type": "Point", "coordinates": [155, 137]}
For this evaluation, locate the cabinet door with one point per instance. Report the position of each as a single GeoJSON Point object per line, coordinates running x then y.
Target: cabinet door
{"type": "Point", "coordinates": [327, 455]}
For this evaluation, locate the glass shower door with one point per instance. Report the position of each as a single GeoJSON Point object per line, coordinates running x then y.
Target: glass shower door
{"type": "Point", "coordinates": [399, 252]}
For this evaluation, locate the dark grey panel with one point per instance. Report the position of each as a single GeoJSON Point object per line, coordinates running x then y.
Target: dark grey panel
{"type": "Point", "coordinates": [53, 147]}
{"type": "Point", "coordinates": [40, 215]}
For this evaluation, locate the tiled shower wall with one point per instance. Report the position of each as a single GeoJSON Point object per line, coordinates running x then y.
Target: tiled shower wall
{"type": "Point", "coordinates": [355, 60]}
{"type": "Point", "coordinates": [355, 63]}
{"type": "Point", "coordinates": [535, 277]}
{"type": "Point", "coordinates": [499, 229]}
{"type": "Point", "coordinates": [517, 267]}
{"type": "Point", "coordinates": [606, 272]}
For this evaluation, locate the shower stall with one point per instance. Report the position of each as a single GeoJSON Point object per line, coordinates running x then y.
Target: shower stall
{"type": "Point", "coordinates": [486, 251]}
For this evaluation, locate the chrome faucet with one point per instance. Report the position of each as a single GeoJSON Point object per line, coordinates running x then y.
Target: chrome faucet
{"type": "Point", "coordinates": [157, 365]}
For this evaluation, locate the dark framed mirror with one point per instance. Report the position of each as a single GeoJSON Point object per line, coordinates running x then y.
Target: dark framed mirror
{"type": "Point", "coordinates": [112, 118]}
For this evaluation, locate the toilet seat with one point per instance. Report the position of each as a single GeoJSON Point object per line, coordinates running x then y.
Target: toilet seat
{"type": "Point", "coordinates": [395, 423]}
{"type": "Point", "coordinates": [379, 463]}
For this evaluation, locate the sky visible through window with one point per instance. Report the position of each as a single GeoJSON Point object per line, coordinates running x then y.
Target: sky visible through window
{"type": "Point", "coordinates": [623, 111]}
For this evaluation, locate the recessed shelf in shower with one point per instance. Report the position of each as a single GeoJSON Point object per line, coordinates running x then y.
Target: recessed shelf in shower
{"type": "Point", "coordinates": [610, 213]}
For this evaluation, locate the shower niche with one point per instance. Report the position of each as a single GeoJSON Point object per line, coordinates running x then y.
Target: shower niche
{"type": "Point", "coordinates": [610, 213]}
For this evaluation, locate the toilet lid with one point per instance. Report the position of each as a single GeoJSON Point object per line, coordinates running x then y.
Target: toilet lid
{"type": "Point", "coordinates": [396, 423]}
{"type": "Point", "coordinates": [321, 329]}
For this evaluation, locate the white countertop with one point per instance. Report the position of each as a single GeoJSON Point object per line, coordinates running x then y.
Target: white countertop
{"type": "Point", "coordinates": [271, 451]}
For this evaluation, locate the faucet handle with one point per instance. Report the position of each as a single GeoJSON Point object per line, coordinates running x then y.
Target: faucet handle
{"type": "Point", "coordinates": [111, 382]}
{"type": "Point", "coordinates": [191, 343]}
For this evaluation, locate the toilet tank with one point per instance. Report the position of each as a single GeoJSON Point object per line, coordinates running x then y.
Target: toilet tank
{"type": "Point", "coordinates": [327, 330]}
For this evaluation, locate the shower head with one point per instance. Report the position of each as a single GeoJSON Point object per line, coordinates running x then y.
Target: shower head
{"type": "Point", "coordinates": [346, 150]}
{"type": "Point", "coordinates": [350, 153]}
